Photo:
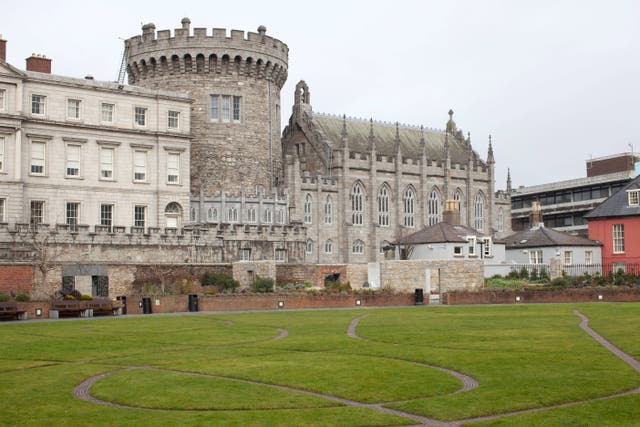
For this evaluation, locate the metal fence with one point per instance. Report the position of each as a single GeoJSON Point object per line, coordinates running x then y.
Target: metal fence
{"type": "Point", "coordinates": [602, 269]}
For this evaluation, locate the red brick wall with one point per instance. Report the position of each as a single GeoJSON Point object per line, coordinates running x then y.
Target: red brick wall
{"type": "Point", "coordinates": [179, 303]}
{"type": "Point", "coordinates": [605, 166]}
{"type": "Point", "coordinates": [16, 278]}
{"type": "Point", "coordinates": [569, 295]}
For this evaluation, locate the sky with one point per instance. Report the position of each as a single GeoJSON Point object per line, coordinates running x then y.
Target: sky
{"type": "Point", "coordinates": [555, 83]}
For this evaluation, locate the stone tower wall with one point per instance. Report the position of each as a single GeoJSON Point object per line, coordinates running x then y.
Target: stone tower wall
{"type": "Point", "coordinates": [233, 156]}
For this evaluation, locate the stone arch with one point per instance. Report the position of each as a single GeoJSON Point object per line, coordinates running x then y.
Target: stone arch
{"type": "Point", "coordinates": [260, 68]}
{"type": "Point", "coordinates": [188, 63]}
{"type": "Point", "coordinates": [153, 66]}
{"type": "Point", "coordinates": [302, 95]}
{"type": "Point", "coordinates": [249, 67]}
{"type": "Point", "coordinates": [175, 64]}
{"type": "Point", "coordinates": [164, 65]}
{"type": "Point", "coordinates": [358, 197]}
{"type": "Point", "coordinates": [237, 65]}
{"type": "Point", "coordinates": [224, 64]}
{"type": "Point", "coordinates": [173, 215]}
{"type": "Point", "coordinates": [200, 63]}
{"type": "Point", "coordinates": [143, 68]}
{"type": "Point", "coordinates": [214, 63]}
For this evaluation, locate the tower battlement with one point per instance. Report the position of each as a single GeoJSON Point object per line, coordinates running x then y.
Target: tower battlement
{"type": "Point", "coordinates": [158, 53]}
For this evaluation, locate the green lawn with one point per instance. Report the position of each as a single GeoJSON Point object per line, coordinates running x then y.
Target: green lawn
{"type": "Point", "coordinates": [227, 369]}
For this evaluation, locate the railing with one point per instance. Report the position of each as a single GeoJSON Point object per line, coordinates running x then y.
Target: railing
{"type": "Point", "coordinates": [602, 269]}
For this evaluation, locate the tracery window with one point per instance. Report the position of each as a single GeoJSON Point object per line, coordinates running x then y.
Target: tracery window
{"type": "Point", "coordinates": [434, 208]}
{"type": "Point", "coordinates": [409, 207]}
{"type": "Point", "coordinates": [357, 205]}
{"type": "Point", "coordinates": [383, 206]}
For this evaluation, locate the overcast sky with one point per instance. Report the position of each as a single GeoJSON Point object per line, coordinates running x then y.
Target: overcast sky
{"type": "Point", "coordinates": [553, 82]}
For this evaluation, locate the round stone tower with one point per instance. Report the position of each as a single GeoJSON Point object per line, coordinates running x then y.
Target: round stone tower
{"type": "Point", "coordinates": [235, 83]}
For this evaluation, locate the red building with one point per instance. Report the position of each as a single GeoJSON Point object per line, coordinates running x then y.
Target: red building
{"type": "Point", "coordinates": [616, 223]}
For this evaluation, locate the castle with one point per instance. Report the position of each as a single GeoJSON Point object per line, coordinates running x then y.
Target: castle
{"type": "Point", "coordinates": [191, 152]}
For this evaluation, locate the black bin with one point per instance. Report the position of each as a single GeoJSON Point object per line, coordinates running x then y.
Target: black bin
{"type": "Point", "coordinates": [123, 299]}
{"type": "Point", "coordinates": [146, 305]}
{"type": "Point", "coordinates": [419, 297]}
{"type": "Point", "coordinates": [193, 302]}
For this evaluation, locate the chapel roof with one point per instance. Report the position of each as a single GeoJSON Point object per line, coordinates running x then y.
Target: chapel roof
{"type": "Point", "coordinates": [358, 131]}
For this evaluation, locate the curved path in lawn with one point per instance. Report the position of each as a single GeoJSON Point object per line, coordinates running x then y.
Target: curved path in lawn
{"type": "Point", "coordinates": [468, 383]}
{"type": "Point", "coordinates": [584, 325]}
{"type": "Point", "coordinates": [82, 391]}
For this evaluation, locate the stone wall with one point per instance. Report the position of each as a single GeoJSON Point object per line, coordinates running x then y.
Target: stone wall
{"type": "Point", "coordinates": [246, 272]}
{"type": "Point", "coordinates": [406, 275]}
{"type": "Point", "coordinates": [309, 273]}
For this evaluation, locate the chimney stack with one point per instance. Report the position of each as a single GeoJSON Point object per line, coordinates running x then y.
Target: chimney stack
{"type": "Point", "coordinates": [535, 218]}
{"type": "Point", "coordinates": [3, 49]}
{"type": "Point", "coordinates": [451, 214]}
{"type": "Point", "coordinates": [39, 63]}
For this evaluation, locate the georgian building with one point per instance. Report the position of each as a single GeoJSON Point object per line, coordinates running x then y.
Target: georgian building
{"type": "Point", "coordinates": [78, 151]}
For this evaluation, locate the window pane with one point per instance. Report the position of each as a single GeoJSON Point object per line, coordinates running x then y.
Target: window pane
{"type": "Point", "coordinates": [226, 108]}
{"type": "Point", "coordinates": [215, 108]}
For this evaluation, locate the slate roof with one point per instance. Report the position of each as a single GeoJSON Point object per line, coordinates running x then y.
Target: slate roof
{"type": "Point", "coordinates": [537, 237]}
{"type": "Point", "coordinates": [442, 232]}
{"type": "Point", "coordinates": [385, 135]}
{"type": "Point", "coordinates": [617, 204]}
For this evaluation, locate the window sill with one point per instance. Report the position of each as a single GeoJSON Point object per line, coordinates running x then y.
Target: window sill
{"type": "Point", "coordinates": [73, 177]}
{"type": "Point", "coordinates": [141, 182]}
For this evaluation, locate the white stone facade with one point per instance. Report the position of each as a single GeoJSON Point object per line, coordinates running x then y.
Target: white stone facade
{"type": "Point", "coordinates": [73, 146]}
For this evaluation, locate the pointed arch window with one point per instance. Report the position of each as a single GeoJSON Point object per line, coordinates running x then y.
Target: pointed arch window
{"type": "Point", "coordinates": [328, 211]}
{"type": "Point", "coordinates": [309, 247]}
{"type": "Point", "coordinates": [500, 225]}
{"type": "Point", "coordinates": [479, 212]}
{"type": "Point", "coordinates": [232, 214]}
{"type": "Point", "coordinates": [357, 205]}
{"type": "Point", "coordinates": [308, 205]}
{"type": "Point", "coordinates": [457, 197]}
{"type": "Point", "coordinates": [383, 206]}
{"type": "Point", "coordinates": [212, 214]}
{"type": "Point", "coordinates": [434, 208]}
{"type": "Point", "coordinates": [251, 215]}
{"type": "Point", "coordinates": [409, 207]}
{"type": "Point", "coordinates": [357, 247]}
{"type": "Point", "coordinates": [267, 216]}
{"type": "Point", "coordinates": [328, 247]}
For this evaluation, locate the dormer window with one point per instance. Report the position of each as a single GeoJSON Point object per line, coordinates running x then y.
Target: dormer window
{"type": "Point", "coordinates": [634, 197]}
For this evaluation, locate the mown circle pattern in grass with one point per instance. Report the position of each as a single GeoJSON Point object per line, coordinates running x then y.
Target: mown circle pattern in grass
{"type": "Point", "coordinates": [155, 389]}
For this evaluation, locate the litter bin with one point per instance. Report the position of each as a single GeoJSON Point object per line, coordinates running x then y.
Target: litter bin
{"type": "Point", "coordinates": [419, 297]}
{"type": "Point", "coordinates": [193, 302]}
{"type": "Point", "coordinates": [146, 305]}
{"type": "Point", "coordinates": [123, 300]}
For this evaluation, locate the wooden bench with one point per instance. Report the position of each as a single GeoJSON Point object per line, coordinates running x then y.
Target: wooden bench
{"type": "Point", "coordinates": [102, 307]}
{"type": "Point", "coordinates": [10, 310]}
{"type": "Point", "coordinates": [68, 308]}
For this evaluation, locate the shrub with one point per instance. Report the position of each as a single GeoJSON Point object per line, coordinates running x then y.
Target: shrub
{"type": "Point", "coordinates": [524, 273]}
{"type": "Point", "coordinates": [23, 298]}
{"type": "Point", "coordinates": [221, 281]}
{"type": "Point", "coordinates": [337, 287]}
{"type": "Point", "coordinates": [262, 284]}
{"type": "Point", "coordinates": [561, 282]}
{"type": "Point", "coordinates": [69, 297]}
{"type": "Point", "coordinates": [4, 297]}
{"type": "Point", "coordinates": [86, 297]}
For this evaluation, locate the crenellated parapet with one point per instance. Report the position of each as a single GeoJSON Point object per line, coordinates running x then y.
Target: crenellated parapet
{"type": "Point", "coordinates": [156, 54]}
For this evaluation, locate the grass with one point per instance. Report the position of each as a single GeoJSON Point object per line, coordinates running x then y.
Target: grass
{"type": "Point", "coordinates": [524, 356]}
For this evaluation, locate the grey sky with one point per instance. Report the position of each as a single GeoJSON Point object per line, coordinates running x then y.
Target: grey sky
{"type": "Point", "coordinates": [553, 82]}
